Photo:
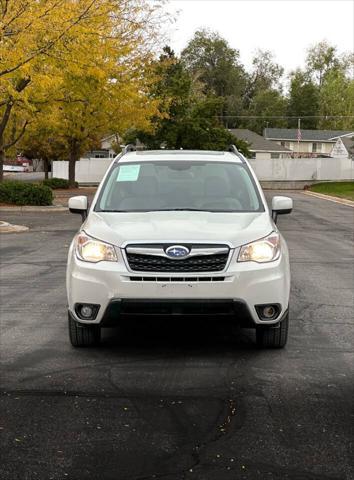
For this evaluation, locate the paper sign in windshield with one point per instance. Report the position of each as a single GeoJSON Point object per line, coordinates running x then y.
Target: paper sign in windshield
{"type": "Point", "coordinates": [128, 173]}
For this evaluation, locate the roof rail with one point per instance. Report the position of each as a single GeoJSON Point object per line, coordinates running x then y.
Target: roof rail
{"type": "Point", "coordinates": [233, 149]}
{"type": "Point", "coordinates": [129, 148]}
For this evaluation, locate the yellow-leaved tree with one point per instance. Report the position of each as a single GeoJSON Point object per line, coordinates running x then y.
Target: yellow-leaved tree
{"type": "Point", "coordinates": [67, 64]}
{"type": "Point", "coordinates": [106, 88]}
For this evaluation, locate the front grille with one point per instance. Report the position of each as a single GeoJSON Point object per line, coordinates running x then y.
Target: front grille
{"type": "Point", "coordinates": [198, 263]}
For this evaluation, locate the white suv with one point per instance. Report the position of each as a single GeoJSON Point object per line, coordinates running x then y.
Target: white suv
{"type": "Point", "coordinates": [179, 233]}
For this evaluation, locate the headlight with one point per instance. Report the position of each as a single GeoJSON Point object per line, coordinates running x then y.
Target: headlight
{"type": "Point", "coordinates": [91, 250]}
{"type": "Point", "coordinates": [264, 250]}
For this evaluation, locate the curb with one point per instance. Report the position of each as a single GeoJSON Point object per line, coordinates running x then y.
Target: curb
{"type": "Point", "coordinates": [330, 198]}
{"type": "Point", "coordinates": [25, 208]}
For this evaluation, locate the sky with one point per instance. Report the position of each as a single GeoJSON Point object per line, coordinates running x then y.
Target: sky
{"type": "Point", "coordinates": [285, 27]}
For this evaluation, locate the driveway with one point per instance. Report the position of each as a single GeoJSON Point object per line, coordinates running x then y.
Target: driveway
{"type": "Point", "coordinates": [179, 401]}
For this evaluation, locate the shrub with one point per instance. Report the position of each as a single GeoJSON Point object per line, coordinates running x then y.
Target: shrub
{"type": "Point", "coordinates": [55, 183]}
{"type": "Point", "coordinates": [21, 193]}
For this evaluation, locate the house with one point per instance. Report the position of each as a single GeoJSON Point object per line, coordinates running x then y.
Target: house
{"type": "Point", "coordinates": [311, 143]}
{"type": "Point", "coordinates": [106, 150]}
{"type": "Point", "coordinates": [259, 147]}
{"type": "Point", "coordinates": [343, 148]}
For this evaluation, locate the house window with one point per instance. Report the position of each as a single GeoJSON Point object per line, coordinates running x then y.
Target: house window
{"type": "Point", "coordinates": [285, 144]}
{"type": "Point", "coordinates": [274, 155]}
{"type": "Point", "coordinates": [316, 147]}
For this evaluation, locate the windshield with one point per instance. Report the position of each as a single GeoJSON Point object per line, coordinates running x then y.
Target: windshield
{"type": "Point", "coordinates": [179, 185]}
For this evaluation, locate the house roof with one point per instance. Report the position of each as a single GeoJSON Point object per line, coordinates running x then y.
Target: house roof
{"type": "Point", "coordinates": [349, 144]}
{"type": "Point", "coordinates": [257, 142]}
{"type": "Point", "coordinates": [113, 136]}
{"type": "Point", "coordinates": [306, 135]}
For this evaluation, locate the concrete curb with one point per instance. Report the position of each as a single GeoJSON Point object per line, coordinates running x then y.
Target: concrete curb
{"type": "Point", "coordinates": [26, 208]}
{"type": "Point", "coordinates": [342, 201]}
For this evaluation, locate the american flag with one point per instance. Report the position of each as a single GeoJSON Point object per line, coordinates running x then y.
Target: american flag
{"type": "Point", "coordinates": [298, 134]}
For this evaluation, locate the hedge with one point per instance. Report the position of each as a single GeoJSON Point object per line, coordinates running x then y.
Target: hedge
{"type": "Point", "coordinates": [55, 183]}
{"type": "Point", "coordinates": [21, 193]}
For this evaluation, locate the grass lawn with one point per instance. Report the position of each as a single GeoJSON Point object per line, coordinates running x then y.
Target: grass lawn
{"type": "Point", "coordinates": [337, 189]}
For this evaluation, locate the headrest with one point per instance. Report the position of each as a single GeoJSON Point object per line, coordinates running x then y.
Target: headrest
{"type": "Point", "coordinates": [145, 186]}
{"type": "Point", "coordinates": [216, 187]}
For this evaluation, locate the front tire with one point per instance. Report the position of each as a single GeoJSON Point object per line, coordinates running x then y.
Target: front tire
{"type": "Point", "coordinates": [274, 336]}
{"type": "Point", "coordinates": [83, 335]}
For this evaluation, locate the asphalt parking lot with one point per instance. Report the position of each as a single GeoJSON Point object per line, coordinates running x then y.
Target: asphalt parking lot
{"type": "Point", "coordinates": [179, 401]}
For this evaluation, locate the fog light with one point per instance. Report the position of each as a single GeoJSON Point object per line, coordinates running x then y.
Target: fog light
{"type": "Point", "coordinates": [86, 311]}
{"type": "Point", "coordinates": [268, 312]}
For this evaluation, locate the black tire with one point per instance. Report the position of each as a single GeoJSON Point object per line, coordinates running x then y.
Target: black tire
{"type": "Point", "coordinates": [273, 337]}
{"type": "Point", "coordinates": [83, 335]}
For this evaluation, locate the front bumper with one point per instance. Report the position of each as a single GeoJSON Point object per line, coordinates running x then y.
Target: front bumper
{"type": "Point", "coordinates": [236, 291]}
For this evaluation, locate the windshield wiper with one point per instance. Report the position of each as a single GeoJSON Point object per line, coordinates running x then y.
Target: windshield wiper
{"type": "Point", "coordinates": [156, 210]}
{"type": "Point", "coordinates": [180, 210]}
{"type": "Point", "coordinates": [113, 211]}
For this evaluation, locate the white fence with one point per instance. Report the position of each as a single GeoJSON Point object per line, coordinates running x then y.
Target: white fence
{"type": "Point", "coordinates": [88, 170]}
{"type": "Point", "coordinates": [303, 169]}
{"type": "Point", "coordinates": [91, 170]}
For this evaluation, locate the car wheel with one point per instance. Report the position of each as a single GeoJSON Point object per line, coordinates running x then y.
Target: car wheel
{"type": "Point", "coordinates": [83, 335]}
{"type": "Point", "coordinates": [274, 336]}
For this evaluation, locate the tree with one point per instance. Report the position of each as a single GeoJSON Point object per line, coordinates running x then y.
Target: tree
{"type": "Point", "coordinates": [32, 33]}
{"type": "Point", "coordinates": [197, 129]}
{"type": "Point", "coordinates": [101, 78]}
{"type": "Point", "coordinates": [94, 106]}
{"type": "Point", "coordinates": [265, 75]}
{"type": "Point", "coordinates": [41, 140]}
{"type": "Point", "coordinates": [321, 59]}
{"type": "Point", "coordinates": [267, 103]}
{"type": "Point", "coordinates": [303, 101]}
{"type": "Point", "coordinates": [337, 100]}
{"type": "Point", "coordinates": [174, 87]}
{"type": "Point", "coordinates": [211, 61]}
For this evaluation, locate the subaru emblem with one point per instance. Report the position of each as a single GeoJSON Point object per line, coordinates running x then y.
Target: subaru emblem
{"type": "Point", "coordinates": [177, 252]}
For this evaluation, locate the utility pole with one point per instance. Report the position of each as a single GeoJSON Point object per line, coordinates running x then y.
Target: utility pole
{"type": "Point", "coordinates": [298, 136]}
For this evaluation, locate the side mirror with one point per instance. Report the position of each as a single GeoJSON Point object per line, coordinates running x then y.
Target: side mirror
{"type": "Point", "coordinates": [79, 205]}
{"type": "Point", "coordinates": [280, 206]}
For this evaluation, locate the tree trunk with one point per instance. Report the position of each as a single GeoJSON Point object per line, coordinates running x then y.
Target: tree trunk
{"type": "Point", "coordinates": [2, 158]}
{"type": "Point", "coordinates": [45, 164]}
{"type": "Point", "coordinates": [74, 157]}
{"type": "Point", "coordinates": [72, 165]}
{"type": "Point", "coordinates": [3, 125]}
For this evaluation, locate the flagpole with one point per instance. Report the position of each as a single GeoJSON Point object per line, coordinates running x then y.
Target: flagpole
{"type": "Point", "coordinates": [298, 136]}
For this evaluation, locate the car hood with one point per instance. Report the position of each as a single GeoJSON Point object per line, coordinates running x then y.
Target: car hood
{"type": "Point", "coordinates": [178, 227]}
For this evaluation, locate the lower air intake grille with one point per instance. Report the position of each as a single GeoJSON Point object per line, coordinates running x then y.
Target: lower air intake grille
{"type": "Point", "coordinates": [177, 279]}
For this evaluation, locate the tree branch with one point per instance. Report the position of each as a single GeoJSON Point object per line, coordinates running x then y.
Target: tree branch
{"type": "Point", "coordinates": [19, 136]}
{"type": "Point", "coordinates": [50, 43]}
{"type": "Point", "coordinates": [6, 117]}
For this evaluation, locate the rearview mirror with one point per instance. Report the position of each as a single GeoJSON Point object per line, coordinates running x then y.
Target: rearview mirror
{"type": "Point", "coordinates": [79, 205]}
{"type": "Point", "coordinates": [281, 206]}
